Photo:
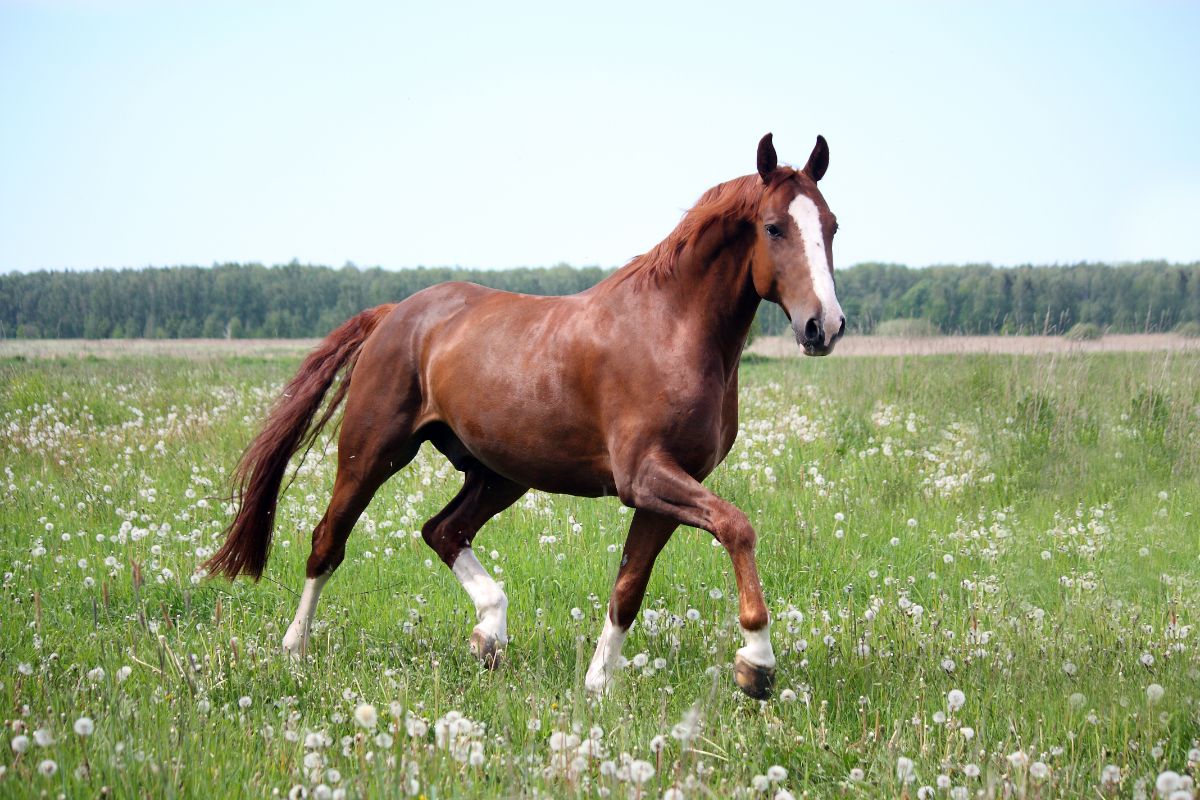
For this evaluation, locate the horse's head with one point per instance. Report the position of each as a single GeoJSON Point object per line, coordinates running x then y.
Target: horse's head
{"type": "Point", "coordinates": [793, 257]}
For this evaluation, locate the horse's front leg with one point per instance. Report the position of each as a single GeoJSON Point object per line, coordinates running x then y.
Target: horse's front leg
{"type": "Point", "coordinates": [660, 486]}
{"type": "Point", "coordinates": [648, 532]}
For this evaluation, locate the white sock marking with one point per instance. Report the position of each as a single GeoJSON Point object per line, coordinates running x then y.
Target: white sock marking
{"type": "Point", "coordinates": [295, 641]}
{"type": "Point", "coordinates": [808, 220]}
{"type": "Point", "coordinates": [758, 649]}
{"type": "Point", "coordinates": [491, 605]}
{"type": "Point", "coordinates": [607, 657]}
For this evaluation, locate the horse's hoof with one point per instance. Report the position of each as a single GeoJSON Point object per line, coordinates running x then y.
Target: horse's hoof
{"type": "Point", "coordinates": [757, 682]}
{"type": "Point", "coordinates": [486, 647]}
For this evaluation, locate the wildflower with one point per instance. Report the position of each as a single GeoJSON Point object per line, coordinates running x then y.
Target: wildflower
{"type": "Point", "coordinates": [1154, 692]}
{"type": "Point", "coordinates": [641, 771]}
{"type": "Point", "coordinates": [84, 726]}
{"type": "Point", "coordinates": [776, 774]}
{"type": "Point", "coordinates": [1110, 775]}
{"type": "Point", "coordinates": [366, 715]}
{"type": "Point", "coordinates": [967, 732]}
{"type": "Point", "coordinates": [1018, 759]}
{"type": "Point", "coordinates": [1077, 699]}
{"type": "Point", "coordinates": [971, 770]}
{"type": "Point", "coordinates": [657, 744]}
{"type": "Point", "coordinates": [123, 673]}
{"type": "Point", "coordinates": [787, 696]}
{"type": "Point", "coordinates": [48, 767]}
{"type": "Point", "coordinates": [857, 775]}
{"type": "Point", "coordinates": [760, 783]}
{"type": "Point", "coordinates": [244, 701]}
{"type": "Point", "coordinates": [1167, 782]}
{"type": "Point", "coordinates": [1039, 771]}
{"type": "Point", "coordinates": [905, 771]}
{"type": "Point", "coordinates": [955, 700]}
{"type": "Point", "coordinates": [43, 737]}
{"type": "Point", "coordinates": [672, 794]}
{"type": "Point", "coordinates": [20, 744]}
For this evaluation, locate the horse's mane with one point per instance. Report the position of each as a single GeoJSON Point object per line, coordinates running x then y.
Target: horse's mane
{"type": "Point", "coordinates": [733, 200]}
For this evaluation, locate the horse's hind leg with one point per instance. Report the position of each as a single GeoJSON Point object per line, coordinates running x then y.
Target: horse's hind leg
{"type": "Point", "coordinates": [483, 495]}
{"type": "Point", "coordinates": [369, 452]}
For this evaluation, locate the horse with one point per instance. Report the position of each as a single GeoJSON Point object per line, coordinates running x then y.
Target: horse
{"type": "Point", "coordinates": [629, 388]}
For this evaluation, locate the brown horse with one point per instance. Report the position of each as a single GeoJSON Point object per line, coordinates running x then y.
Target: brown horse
{"type": "Point", "coordinates": [628, 388]}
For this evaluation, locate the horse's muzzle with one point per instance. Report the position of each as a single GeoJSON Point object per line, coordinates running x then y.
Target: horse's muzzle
{"type": "Point", "coordinates": [812, 339]}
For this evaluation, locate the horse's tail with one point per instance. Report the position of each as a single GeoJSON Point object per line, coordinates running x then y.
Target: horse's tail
{"type": "Point", "coordinates": [288, 428]}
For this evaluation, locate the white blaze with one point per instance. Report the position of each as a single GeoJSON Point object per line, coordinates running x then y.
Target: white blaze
{"type": "Point", "coordinates": [808, 220]}
{"type": "Point", "coordinates": [491, 604]}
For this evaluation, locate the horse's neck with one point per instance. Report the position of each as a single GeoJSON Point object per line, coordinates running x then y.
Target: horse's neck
{"type": "Point", "coordinates": [711, 290]}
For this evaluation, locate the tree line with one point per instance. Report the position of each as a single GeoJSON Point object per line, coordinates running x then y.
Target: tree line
{"type": "Point", "coordinates": [299, 300]}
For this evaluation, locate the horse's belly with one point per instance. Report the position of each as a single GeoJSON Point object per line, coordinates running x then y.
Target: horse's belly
{"type": "Point", "coordinates": [547, 463]}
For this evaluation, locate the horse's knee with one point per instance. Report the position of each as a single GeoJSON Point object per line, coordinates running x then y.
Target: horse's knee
{"type": "Point", "coordinates": [735, 532]}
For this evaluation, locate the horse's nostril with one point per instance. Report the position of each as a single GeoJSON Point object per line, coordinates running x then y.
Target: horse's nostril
{"type": "Point", "coordinates": [842, 327]}
{"type": "Point", "coordinates": [812, 330]}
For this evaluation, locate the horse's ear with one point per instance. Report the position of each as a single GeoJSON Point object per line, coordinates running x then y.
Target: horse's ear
{"type": "Point", "coordinates": [767, 160]}
{"type": "Point", "coordinates": [818, 160]}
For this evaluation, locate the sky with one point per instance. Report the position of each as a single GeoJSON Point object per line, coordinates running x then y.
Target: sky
{"type": "Point", "coordinates": [510, 134]}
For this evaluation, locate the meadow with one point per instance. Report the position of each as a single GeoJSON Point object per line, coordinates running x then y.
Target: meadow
{"type": "Point", "coordinates": [983, 572]}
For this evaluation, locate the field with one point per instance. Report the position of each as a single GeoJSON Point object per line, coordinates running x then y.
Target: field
{"type": "Point", "coordinates": [983, 571]}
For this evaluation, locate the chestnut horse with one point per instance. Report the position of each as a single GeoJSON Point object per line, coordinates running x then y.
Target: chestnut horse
{"type": "Point", "coordinates": [628, 388]}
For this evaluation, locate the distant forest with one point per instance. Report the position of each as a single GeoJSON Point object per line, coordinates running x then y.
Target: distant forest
{"type": "Point", "coordinates": [295, 300]}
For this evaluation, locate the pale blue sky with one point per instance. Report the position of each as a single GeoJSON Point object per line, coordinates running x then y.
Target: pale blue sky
{"type": "Point", "coordinates": [395, 134]}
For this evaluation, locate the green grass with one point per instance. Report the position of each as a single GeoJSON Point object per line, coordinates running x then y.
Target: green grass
{"type": "Point", "coordinates": [1041, 511]}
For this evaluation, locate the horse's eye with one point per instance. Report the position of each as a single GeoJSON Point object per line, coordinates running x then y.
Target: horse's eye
{"type": "Point", "coordinates": [773, 231]}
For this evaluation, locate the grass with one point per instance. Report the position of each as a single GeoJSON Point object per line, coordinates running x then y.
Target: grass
{"type": "Point", "coordinates": [1018, 528]}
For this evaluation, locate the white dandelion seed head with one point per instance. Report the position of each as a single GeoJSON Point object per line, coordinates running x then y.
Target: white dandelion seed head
{"type": "Point", "coordinates": [84, 726]}
{"type": "Point", "coordinates": [47, 767]}
{"type": "Point", "coordinates": [1155, 692]}
{"type": "Point", "coordinates": [955, 699]}
{"type": "Point", "coordinates": [366, 716]}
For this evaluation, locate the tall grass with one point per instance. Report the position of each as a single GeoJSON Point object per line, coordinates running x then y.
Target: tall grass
{"type": "Point", "coordinates": [1021, 529]}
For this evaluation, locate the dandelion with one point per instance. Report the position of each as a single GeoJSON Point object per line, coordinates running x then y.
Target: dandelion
{"type": "Point", "coordinates": [1110, 775]}
{"type": "Point", "coordinates": [20, 744]}
{"type": "Point", "coordinates": [955, 700]}
{"type": "Point", "coordinates": [84, 726]}
{"type": "Point", "coordinates": [43, 737]}
{"type": "Point", "coordinates": [657, 744]}
{"type": "Point", "coordinates": [1077, 699]}
{"type": "Point", "coordinates": [641, 771]}
{"type": "Point", "coordinates": [1155, 692]}
{"type": "Point", "coordinates": [971, 770]}
{"type": "Point", "coordinates": [967, 732]}
{"type": "Point", "coordinates": [1168, 781]}
{"type": "Point", "coordinates": [905, 770]}
{"type": "Point", "coordinates": [776, 774]}
{"type": "Point", "coordinates": [245, 701]}
{"type": "Point", "coordinates": [760, 783]}
{"type": "Point", "coordinates": [857, 775]}
{"type": "Point", "coordinates": [123, 673]}
{"type": "Point", "coordinates": [1039, 771]}
{"type": "Point", "coordinates": [366, 715]}
{"type": "Point", "coordinates": [715, 593]}
{"type": "Point", "coordinates": [1019, 760]}
{"type": "Point", "coordinates": [1069, 668]}
{"type": "Point", "coordinates": [48, 767]}
{"type": "Point", "coordinates": [787, 696]}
